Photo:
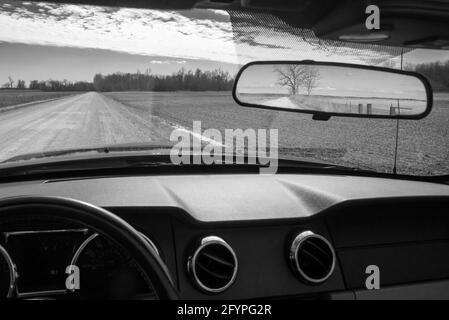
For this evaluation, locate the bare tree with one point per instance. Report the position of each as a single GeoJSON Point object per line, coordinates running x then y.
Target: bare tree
{"type": "Point", "coordinates": [295, 76]}
{"type": "Point", "coordinates": [290, 76]}
{"type": "Point", "coordinates": [310, 79]}
{"type": "Point", "coordinates": [21, 84]}
{"type": "Point", "coordinates": [11, 82]}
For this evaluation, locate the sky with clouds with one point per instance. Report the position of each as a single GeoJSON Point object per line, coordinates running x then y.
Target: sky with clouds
{"type": "Point", "coordinates": [148, 32]}
{"type": "Point", "coordinates": [42, 41]}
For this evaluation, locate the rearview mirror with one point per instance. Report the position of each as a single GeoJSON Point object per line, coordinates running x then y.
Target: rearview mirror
{"type": "Point", "coordinates": [333, 89]}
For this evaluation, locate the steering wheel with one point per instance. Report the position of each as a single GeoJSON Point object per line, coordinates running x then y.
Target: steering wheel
{"type": "Point", "coordinates": [104, 223]}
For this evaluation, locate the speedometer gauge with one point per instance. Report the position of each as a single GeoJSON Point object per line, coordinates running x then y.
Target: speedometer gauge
{"type": "Point", "coordinates": [7, 274]}
{"type": "Point", "coordinates": [107, 271]}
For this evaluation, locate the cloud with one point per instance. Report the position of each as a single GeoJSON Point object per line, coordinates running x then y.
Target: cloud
{"type": "Point", "coordinates": [135, 31]}
{"type": "Point", "coordinates": [168, 61]}
{"type": "Point", "coordinates": [190, 34]}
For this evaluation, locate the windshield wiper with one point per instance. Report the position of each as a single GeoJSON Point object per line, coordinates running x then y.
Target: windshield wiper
{"type": "Point", "coordinates": [147, 161]}
{"type": "Point", "coordinates": [99, 150]}
{"type": "Point", "coordinates": [147, 156]}
{"type": "Point", "coordinates": [318, 165]}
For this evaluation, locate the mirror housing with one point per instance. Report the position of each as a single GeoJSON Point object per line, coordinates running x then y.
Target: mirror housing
{"type": "Point", "coordinates": [326, 89]}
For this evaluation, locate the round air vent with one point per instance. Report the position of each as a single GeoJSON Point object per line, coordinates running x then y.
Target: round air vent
{"type": "Point", "coordinates": [213, 266]}
{"type": "Point", "coordinates": [312, 257]}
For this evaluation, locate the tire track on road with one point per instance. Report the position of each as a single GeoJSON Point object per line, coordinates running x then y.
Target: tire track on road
{"type": "Point", "coordinates": [87, 120]}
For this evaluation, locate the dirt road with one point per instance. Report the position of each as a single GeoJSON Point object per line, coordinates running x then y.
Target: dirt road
{"type": "Point", "coordinates": [84, 120]}
{"type": "Point", "coordinates": [94, 119]}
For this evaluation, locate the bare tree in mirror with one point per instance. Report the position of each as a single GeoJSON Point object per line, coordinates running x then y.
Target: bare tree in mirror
{"type": "Point", "coordinates": [295, 76]}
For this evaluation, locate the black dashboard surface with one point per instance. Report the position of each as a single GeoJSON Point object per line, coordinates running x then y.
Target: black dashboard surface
{"type": "Point", "coordinates": [401, 226]}
{"type": "Point", "coordinates": [218, 198]}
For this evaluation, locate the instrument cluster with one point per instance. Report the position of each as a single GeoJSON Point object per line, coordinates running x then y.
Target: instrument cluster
{"type": "Point", "coordinates": [67, 263]}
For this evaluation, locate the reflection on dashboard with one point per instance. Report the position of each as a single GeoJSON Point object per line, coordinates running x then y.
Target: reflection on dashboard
{"type": "Point", "coordinates": [34, 264]}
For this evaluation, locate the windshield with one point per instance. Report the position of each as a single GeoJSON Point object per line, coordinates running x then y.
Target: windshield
{"type": "Point", "coordinates": [79, 77]}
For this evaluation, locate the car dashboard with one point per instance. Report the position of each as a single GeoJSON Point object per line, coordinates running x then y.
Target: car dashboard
{"type": "Point", "coordinates": [239, 236]}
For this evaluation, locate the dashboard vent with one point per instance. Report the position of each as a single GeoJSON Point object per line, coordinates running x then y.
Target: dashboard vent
{"type": "Point", "coordinates": [213, 266]}
{"type": "Point", "coordinates": [312, 257]}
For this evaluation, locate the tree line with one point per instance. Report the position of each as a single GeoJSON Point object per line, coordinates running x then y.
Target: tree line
{"type": "Point", "coordinates": [64, 85]}
{"type": "Point", "coordinates": [11, 84]}
{"type": "Point", "coordinates": [437, 73]}
{"type": "Point", "coordinates": [198, 80]}
{"type": "Point", "coordinates": [49, 85]}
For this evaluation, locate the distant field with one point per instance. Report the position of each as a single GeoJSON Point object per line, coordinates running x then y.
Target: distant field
{"type": "Point", "coordinates": [380, 106]}
{"type": "Point", "coordinates": [364, 143]}
{"type": "Point", "coordinates": [14, 97]}
{"type": "Point", "coordinates": [444, 96]}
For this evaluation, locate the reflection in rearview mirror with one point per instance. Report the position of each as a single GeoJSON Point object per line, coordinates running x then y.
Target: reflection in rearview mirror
{"type": "Point", "coordinates": [333, 89]}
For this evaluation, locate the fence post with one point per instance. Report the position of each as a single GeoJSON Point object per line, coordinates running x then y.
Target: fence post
{"type": "Point", "coordinates": [392, 111]}
{"type": "Point", "coordinates": [369, 108]}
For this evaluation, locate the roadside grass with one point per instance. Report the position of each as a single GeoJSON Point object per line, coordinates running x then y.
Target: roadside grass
{"type": "Point", "coordinates": [363, 143]}
{"type": "Point", "coordinates": [11, 97]}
